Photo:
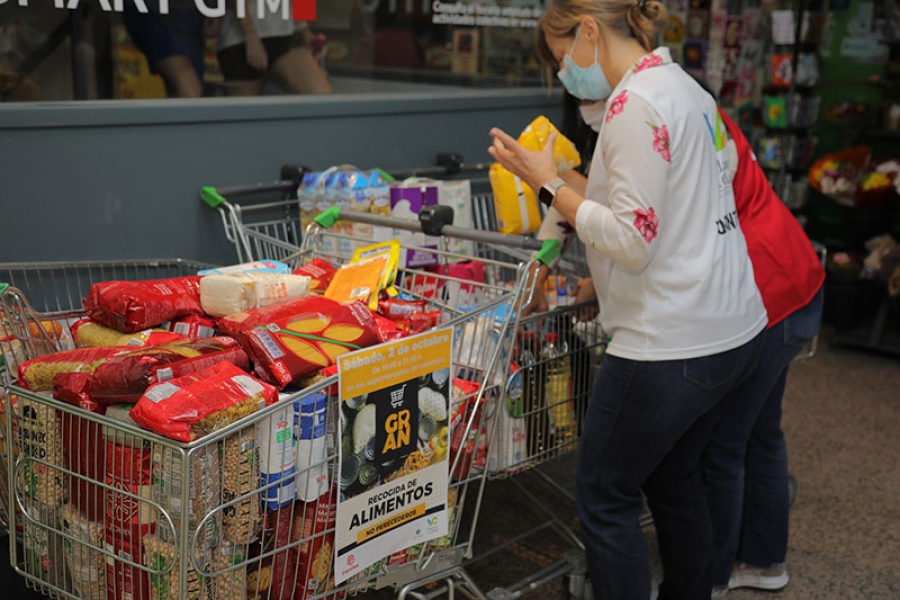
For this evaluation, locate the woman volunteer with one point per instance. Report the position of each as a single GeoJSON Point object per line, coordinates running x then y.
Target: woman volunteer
{"type": "Point", "coordinates": [673, 280]}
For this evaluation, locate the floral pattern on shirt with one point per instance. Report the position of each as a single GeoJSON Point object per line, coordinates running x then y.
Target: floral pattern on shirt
{"type": "Point", "coordinates": [661, 141]}
{"type": "Point", "coordinates": [616, 106]}
{"type": "Point", "coordinates": [647, 223]}
{"type": "Point", "coordinates": [651, 60]}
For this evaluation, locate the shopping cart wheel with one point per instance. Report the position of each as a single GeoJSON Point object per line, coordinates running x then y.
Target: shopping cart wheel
{"type": "Point", "coordinates": [792, 489]}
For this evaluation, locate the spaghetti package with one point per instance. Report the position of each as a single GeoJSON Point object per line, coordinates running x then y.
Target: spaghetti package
{"type": "Point", "coordinates": [90, 334]}
{"type": "Point", "coordinates": [188, 407]}
{"type": "Point", "coordinates": [130, 306]}
{"type": "Point", "coordinates": [514, 201]}
{"type": "Point", "coordinates": [37, 374]}
{"type": "Point", "coordinates": [124, 378]}
{"type": "Point", "coordinates": [320, 273]}
{"type": "Point", "coordinates": [291, 340]}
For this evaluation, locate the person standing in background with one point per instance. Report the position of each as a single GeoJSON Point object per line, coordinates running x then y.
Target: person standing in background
{"type": "Point", "coordinates": [173, 43]}
{"type": "Point", "coordinates": [252, 49]}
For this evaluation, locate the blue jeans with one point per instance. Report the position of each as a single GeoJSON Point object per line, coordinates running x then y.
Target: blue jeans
{"type": "Point", "coordinates": [745, 465]}
{"type": "Point", "coordinates": [645, 430]}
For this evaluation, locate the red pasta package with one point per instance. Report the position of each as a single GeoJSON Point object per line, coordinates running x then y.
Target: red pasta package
{"type": "Point", "coordinates": [291, 340]}
{"type": "Point", "coordinates": [187, 408]}
{"type": "Point", "coordinates": [124, 378]}
{"type": "Point", "coordinates": [75, 389]}
{"type": "Point", "coordinates": [37, 374]}
{"type": "Point", "coordinates": [320, 272]}
{"type": "Point", "coordinates": [131, 306]}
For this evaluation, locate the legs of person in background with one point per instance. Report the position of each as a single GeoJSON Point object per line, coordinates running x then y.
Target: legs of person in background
{"type": "Point", "coordinates": [640, 412]}
{"type": "Point", "coordinates": [181, 79]}
{"type": "Point", "coordinates": [243, 88]}
{"type": "Point", "coordinates": [299, 72]}
{"type": "Point", "coordinates": [745, 464]}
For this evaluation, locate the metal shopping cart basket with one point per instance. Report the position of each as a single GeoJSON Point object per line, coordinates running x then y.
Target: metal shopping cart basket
{"type": "Point", "coordinates": [110, 510]}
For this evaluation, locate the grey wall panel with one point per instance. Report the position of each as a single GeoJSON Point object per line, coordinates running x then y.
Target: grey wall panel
{"type": "Point", "coordinates": [109, 180]}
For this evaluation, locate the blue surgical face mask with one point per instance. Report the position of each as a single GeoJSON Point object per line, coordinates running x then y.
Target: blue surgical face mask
{"type": "Point", "coordinates": [585, 83]}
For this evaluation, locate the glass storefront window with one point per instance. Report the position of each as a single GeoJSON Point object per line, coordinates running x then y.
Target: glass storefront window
{"type": "Point", "coordinates": [52, 50]}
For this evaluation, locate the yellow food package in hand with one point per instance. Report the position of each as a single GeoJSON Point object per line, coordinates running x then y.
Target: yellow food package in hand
{"type": "Point", "coordinates": [534, 137]}
{"type": "Point", "coordinates": [514, 202]}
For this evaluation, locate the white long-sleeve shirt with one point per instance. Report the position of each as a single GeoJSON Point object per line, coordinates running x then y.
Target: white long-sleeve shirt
{"type": "Point", "coordinates": [668, 259]}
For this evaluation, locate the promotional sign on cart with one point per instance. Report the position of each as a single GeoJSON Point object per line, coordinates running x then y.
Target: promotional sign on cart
{"type": "Point", "coordinates": [394, 470]}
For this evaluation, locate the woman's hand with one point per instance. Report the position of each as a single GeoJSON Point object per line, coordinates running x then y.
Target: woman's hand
{"type": "Point", "coordinates": [534, 168]}
{"type": "Point", "coordinates": [585, 292]}
{"type": "Point", "coordinates": [256, 53]}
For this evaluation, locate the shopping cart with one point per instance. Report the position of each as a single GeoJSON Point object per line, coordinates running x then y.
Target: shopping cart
{"type": "Point", "coordinates": [262, 220]}
{"type": "Point", "coordinates": [140, 516]}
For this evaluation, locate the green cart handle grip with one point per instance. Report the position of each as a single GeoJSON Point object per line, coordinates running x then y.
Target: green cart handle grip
{"type": "Point", "coordinates": [328, 217]}
{"type": "Point", "coordinates": [3, 287]}
{"type": "Point", "coordinates": [550, 251]}
{"type": "Point", "coordinates": [211, 196]}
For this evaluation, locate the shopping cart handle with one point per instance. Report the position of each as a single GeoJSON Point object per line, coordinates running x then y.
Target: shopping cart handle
{"type": "Point", "coordinates": [550, 251]}
{"type": "Point", "coordinates": [211, 196]}
{"type": "Point", "coordinates": [328, 217]}
{"type": "Point", "coordinates": [3, 287]}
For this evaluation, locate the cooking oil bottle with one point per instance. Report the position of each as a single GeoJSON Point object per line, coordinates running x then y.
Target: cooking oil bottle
{"type": "Point", "coordinates": [557, 390]}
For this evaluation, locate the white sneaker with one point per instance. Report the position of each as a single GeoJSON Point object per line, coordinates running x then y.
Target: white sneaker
{"type": "Point", "coordinates": [743, 575]}
{"type": "Point", "coordinates": [719, 592]}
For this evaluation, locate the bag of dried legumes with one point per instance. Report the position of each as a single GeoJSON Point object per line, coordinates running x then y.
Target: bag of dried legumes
{"type": "Point", "coordinates": [187, 408]}
{"type": "Point", "coordinates": [37, 374]}
{"type": "Point", "coordinates": [130, 306]}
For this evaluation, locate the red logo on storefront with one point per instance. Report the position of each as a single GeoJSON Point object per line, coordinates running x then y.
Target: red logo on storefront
{"type": "Point", "coordinates": [304, 10]}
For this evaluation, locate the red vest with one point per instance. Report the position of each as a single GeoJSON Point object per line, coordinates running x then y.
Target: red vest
{"type": "Point", "coordinates": [787, 270]}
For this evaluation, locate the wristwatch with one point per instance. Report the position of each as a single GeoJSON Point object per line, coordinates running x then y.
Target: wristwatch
{"type": "Point", "coordinates": [548, 191]}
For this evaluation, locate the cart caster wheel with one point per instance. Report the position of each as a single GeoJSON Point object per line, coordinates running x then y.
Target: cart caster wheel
{"type": "Point", "coordinates": [792, 489]}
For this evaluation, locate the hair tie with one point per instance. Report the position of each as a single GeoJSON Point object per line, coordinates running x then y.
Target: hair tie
{"type": "Point", "coordinates": [641, 5]}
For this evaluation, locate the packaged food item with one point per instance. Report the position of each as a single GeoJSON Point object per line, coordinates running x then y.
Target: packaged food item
{"type": "Point", "coordinates": [320, 272]}
{"type": "Point", "coordinates": [130, 306]}
{"type": "Point", "coordinates": [162, 558]}
{"type": "Point", "coordinates": [389, 249]}
{"type": "Point", "coordinates": [307, 195]}
{"type": "Point", "coordinates": [358, 281]}
{"type": "Point", "coordinates": [515, 202]}
{"type": "Point", "coordinates": [232, 583]}
{"type": "Point", "coordinates": [43, 546]}
{"type": "Point", "coordinates": [408, 198]}
{"type": "Point", "coordinates": [130, 513]}
{"type": "Point", "coordinates": [188, 407]}
{"type": "Point", "coordinates": [277, 453]}
{"type": "Point", "coordinates": [222, 295]}
{"type": "Point", "coordinates": [457, 194]}
{"type": "Point", "coordinates": [204, 482]}
{"type": "Point", "coordinates": [194, 327]}
{"type": "Point", "coordinates": [535, 137]}
{"type": "Point", "coordinates": [37, 374]}
{"type": "Point", "coordinates": [81, 452]}
{"type": "Point", "coordinates": [267, 265]}
{"type": "Point", "coordinates": [292, 340]}
{"type": "Point", "coordinates": [90, 334]}
{"type": "Point", "coordinates": [399, 308]}
{"type": "Point", "coordinates": [85, 562]}
{"type": "Point", "coordinates": [273, 577]}
{"type": "Point", "coordinates": [125, 377]}
{"type": "Point", "coordinates": [125, 579]}
{"type": "Point", "coordinates": [242, 508]}
{"type": "Point", "coordinates": [309, 419]}
{"type": "Point", "coordinates": [41, 440]}
{"type": "Point", "coordinates": [314, 524]}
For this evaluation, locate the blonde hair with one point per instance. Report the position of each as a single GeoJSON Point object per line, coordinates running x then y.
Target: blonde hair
{"type": "Point", "coordinates": [640, 19]}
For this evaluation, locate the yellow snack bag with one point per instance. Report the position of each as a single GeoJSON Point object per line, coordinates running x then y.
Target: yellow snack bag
{"type": "Point", "coordinates": [514, 202]}
{"type": "Point", "coordinates": [535, 136]}
{"type": "Point", "coordinates": [358, 281]}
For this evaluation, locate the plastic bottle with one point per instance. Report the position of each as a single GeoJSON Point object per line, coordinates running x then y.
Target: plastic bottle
{"type": "Point", "coordinates": [533, 379]}
{"type": "Point", "coordinates": [557, 391]}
